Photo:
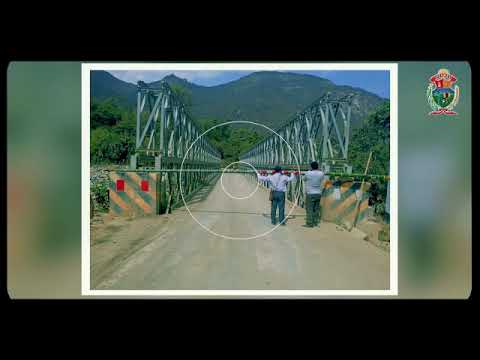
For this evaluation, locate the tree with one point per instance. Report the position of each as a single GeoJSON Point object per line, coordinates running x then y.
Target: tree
{"type": "Point", "coordinates": [183, 94]}
{"type": "Point", "coordinates": [113, 131]}
{"type": "Point", "coordinates": [107, 146]}
{"type": "Point", "coordinates": [127, 124]}
{"type": "Point", "coordinates": [373, 136]}
{"type": "Point", "coordinates": [230, 141]}
{"type": "Point", "coordinates": [105, 113]}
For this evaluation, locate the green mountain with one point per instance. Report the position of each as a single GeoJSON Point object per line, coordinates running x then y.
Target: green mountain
{"type": "Point", "coordinates": [267, 97]}
{"type": "Point", "coordinates": [103, 85]}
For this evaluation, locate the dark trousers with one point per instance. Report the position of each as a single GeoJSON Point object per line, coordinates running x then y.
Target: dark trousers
{"type": "Point", "coordinates": [313, 209]}
{"type": "Point", "coordinates": [278, 201]}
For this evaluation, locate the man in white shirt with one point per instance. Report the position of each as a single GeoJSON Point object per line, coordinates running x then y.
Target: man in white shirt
{"type": "Point", "coordinates": [314, 182]}
{"type": "Point", "coordinates": [278, 185]}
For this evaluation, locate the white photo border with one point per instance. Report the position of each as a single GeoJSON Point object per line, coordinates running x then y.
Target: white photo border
{"type": "Point", "coordinates": [298, 66]}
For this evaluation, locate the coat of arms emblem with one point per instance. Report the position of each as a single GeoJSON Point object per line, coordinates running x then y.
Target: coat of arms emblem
{"type": "Point", "coordinates": [442, 93]}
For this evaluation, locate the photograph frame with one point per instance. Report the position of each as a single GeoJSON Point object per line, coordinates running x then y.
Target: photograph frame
{"type": "Point", "coordinates": [247, 66]}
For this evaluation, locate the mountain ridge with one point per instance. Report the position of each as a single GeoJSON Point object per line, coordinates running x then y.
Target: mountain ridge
{"type": "Point", "coordinates": [267, 97]}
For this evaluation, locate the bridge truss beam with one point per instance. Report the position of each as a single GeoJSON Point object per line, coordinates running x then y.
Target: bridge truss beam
{"type": "Point", "coordinates": [166, 131]}
{"type": "Point", "coordinates": [167, 136]}
{"type": "Point", "coordinates": [321, 132]}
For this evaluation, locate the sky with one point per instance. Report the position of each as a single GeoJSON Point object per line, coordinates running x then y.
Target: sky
{"type": "Point", "coordinates": [377, 82]}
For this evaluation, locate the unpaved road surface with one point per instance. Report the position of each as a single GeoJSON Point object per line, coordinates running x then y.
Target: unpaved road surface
{"type": "Point", "coordinates": [173, 252]}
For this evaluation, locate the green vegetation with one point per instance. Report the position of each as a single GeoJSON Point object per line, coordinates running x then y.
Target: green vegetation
{"type": "Point", "coordinates": [113, 141]}
{"type": "Point", "coordinates": [230, 141]}
{"type": "Point", "coordinates": [99, 191]}
{"type": "Point", "coordinates": [112, 135]}
{"type": "Point", "coordinates": [183, 94]}
{"type": "Point", "coordinates": [266, 97]}
{"type": "Point", "coordinates": [105, 113]}
{"type": "Point", "coordinates": [373, 136]}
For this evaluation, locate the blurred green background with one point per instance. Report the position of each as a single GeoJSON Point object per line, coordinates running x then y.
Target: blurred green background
{"type": "Point", "coordinates": [44, 183]}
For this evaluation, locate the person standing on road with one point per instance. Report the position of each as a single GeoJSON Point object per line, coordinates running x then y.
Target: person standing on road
{"type": "Point", "coordinates": [314, 182]}
{"type": "Point", "coordinates": [278, 185]}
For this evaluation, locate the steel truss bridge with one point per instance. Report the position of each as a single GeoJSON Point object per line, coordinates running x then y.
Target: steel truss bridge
{"type": "Point", "coordinates": [321, 133]}
{"type": "Point", "coordinates": [166, 136]}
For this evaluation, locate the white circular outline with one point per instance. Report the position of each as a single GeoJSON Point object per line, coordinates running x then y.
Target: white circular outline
{"type": "Point", "coordinates": [181, 171]}
{"type": "Point", "coordinates": [230, 195]}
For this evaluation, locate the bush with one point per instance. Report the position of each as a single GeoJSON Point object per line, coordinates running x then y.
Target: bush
{"type": "Point", "coordinates": [99, 191]}
{"type": "Point", "coordinates": [112, 136]}
{"type": "Point", "coordinates": [378, 194]}
{"type": "Point", "coordinates": [105, 113]}
{"type": "Point", "coordinates": [110, 147]}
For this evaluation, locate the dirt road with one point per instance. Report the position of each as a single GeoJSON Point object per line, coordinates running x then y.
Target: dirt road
{"type": "Point", "coordinates": [173, 252]}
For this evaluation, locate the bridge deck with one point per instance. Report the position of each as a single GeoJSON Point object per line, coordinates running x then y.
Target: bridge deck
{"type": "Point", "coordinates": [174, 252]}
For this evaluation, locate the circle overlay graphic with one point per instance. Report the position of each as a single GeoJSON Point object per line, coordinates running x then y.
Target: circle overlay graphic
{"type": "Point", "coordinates": [230, 195]}
{"type": "Point", "coordinates": [181, 173]}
